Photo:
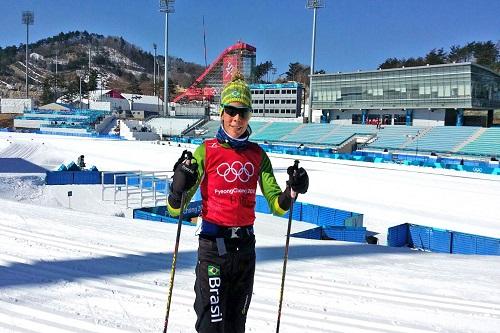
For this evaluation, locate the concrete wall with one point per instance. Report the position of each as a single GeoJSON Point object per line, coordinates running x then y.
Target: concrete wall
{"type": "Point", "coordinates": [190, 110]}
{"type": "Point", "coordinates": [15, 105]}
{"type": "Point", "coordinates": [425, 117]}
{"type": "Point", "coordinates": [128, 132]}
{"type": "Point", "coordinates": [112, 104]}
{"type": "Point", "coordinates": [147, 106]}
{"type": "Point", "coordinates": [24, 123]}
{"type": "Point", "coordinates": [344, 117]}
{"type": "Point", "coordinates": [104, 124]}
{"type": "Point", "coordinates": [171, 126]}
{"type": "Point", "coordinates": [95, 105]}
{"type": "Point", "coordinates": [64, 130]}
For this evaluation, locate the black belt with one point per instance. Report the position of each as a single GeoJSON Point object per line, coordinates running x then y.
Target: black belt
{"type": "Point", "coordinates": [212, 230]}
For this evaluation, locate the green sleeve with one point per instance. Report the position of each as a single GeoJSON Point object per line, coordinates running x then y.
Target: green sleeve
{"type": "Point", "coordinates": [269, 186]}
{"type": "Point", "coordinates": [199, 157]}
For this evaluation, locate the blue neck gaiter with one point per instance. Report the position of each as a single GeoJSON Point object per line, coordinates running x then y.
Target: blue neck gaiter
{"type": "Point", "coordinates": [238, 143]}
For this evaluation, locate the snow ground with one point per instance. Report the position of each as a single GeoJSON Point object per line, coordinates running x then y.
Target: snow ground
{"type": "Point", "coordinates": [86, 269]}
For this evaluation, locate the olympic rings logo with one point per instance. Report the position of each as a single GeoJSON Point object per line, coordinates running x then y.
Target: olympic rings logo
{"type": "Point", "coordinates": [477, 170]}
{"type": "Point", "coordinates": [236, 170]}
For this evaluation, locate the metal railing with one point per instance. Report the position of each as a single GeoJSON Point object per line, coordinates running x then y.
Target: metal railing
{"type": "Point", "coordinates": [149, 186]}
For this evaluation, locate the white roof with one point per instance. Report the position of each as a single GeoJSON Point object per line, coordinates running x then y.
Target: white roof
{"type": "Point", "coordinates": [145, 99]}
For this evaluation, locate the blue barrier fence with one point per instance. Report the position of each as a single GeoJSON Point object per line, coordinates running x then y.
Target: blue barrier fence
{"type": "Point", "coordinates": [72, 177]}
{"type": "Point", "coordinates": [375, 157]}
{"type": "Point", "coordinates": [95, 177]}
{"type": "Point", "coordinates": [87, 135]}
{"type": "Point", "coordinates": [439, 240]}
{"type": "Point", "coordinates": [160, 213]}
{"type": "Point", "coordinates": [347, 234]}
{"type": "Point", "coordinates": [332, 223]}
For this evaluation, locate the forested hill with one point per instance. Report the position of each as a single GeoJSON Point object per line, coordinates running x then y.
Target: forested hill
{"type": "Point", "coordinates": [114, 61]}
{"type": "Point", "coordinates": [482, 53]}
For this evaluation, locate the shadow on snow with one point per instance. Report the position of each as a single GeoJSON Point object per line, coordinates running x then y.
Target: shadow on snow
{"type": "Point", "coordinates": [47, 272]}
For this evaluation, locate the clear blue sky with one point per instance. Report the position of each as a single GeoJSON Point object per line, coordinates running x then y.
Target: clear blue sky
{"type": "Point", "coordinates": [351, 35]}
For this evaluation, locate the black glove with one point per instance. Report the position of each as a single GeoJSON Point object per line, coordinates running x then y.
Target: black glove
{"type": "Point", "coordinates": [299, 180]}
{"type": "Point", "coordinates": [186, 154]}
{"type": "Point", "coordinates": [185, 173]}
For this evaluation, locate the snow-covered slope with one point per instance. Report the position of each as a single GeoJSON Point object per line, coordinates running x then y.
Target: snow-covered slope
{"type": "Point", "coordinates": [85, 270]}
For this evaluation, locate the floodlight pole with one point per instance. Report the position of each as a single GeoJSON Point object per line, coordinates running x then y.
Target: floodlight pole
{"type": "Point", "coordinates": [55, 80]}
{"type": "Point", "coordinates": [154, 71]}
{"type": "Point", "coordinates": [166, 6]}
{"type": "Point", "coordinates": [313, 4]}
{"type": "Point", "coordinates": [90, 55]}
{"type": "Point", "coordinates": [28, 18]}
{"type": "Point", "coordinates": [80, 73]}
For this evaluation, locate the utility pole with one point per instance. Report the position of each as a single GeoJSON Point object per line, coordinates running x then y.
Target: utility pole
{"type": "Point", "coordinates": [313, 4]}
{"type": "Point", "coordinates": [166, 6]}
{"type": "Point", "coordinates": [158, 92]}
{"type": "Point", "coordinates": [28, 19]}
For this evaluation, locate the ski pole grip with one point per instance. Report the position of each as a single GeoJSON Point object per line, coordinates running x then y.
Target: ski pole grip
{"type": "Point", "coordinates": [293, 169]}
{"type": "Point", "coordinates": [188, 156]}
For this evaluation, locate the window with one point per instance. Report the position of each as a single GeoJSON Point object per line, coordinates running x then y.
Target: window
{"type": "Point", "coordinates": [461, 90]}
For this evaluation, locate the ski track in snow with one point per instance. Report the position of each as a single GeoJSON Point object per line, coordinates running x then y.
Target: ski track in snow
{"type": "Point", "coordinates": [307, 305]}
{"type": "Point", "coordinates": [85, 270]}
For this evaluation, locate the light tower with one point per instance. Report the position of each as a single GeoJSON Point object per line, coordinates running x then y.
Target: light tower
{"type": "Point", "coordinates": [154, 71]}
{"type": "Point", "coordinates": [28, 19]}
{"type": "Point", "coordinates": [313, 4]}
{"type": "Point", "coordinates": [166, 6]}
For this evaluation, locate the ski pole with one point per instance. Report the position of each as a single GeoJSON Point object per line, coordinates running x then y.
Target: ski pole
{"type": "Point", "coordinates": [176, 250]}
{"type": "Point", "coordinates": [285, 259]}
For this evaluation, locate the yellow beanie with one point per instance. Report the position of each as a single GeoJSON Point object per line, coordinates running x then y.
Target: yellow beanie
{"type": "Point", "coordinates": [237, 91]}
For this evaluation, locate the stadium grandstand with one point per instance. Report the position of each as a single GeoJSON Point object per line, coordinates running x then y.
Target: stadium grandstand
{"type": "Point", "coordinates": [445, 140]}
{"type": "Point", "coordinates": [63, 119]}
{"type": "Point", "coordinates": [444, 109]}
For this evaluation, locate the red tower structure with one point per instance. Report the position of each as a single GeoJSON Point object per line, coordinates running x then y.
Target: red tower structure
{"type": "Point", "coordinates": [239, 57]}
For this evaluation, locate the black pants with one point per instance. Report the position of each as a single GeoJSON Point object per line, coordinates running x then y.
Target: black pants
{"type": "Point", "coordinates": [224, 285]}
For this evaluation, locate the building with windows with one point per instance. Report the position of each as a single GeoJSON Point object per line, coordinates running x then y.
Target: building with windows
{"type": "Point", "coordinates": [449, 94]}
{"type": "Point", "coordinates": [278, 100]}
